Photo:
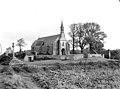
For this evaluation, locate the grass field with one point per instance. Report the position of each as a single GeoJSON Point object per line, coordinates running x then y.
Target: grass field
{"type": "Point", "coordinates": [42, 62]}
{"type": "Point", "coordinates": [95, 73]}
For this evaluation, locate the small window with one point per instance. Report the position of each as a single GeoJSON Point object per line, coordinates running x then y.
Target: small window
{"type": "Point", "coordinates": [63, 44]}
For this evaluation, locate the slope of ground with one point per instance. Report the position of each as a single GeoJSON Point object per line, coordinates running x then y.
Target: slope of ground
{"type": "Point", "coordinates": [70, 75]}
{"type": "Point", "coordinates": [42, 62]}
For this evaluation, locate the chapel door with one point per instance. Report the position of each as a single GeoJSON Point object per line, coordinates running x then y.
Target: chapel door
{"type": "Point", "coordinates": [30, 59]}
{"type": "Point", "coordinates": [63, 51]}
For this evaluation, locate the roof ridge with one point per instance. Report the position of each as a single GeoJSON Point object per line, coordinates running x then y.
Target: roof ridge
{"type": "Point", "coordinates": [48, 36]}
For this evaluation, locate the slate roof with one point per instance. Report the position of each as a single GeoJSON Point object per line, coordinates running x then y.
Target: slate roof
{"type": "Point", "coordinates": [29, 54]}
{"type": "Point", "coordinates": [39, 43]}
{"type": "Point", "coordinates": [45, 40]}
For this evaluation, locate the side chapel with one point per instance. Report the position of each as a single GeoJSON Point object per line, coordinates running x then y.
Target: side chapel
{"type": "Point", "coordinates": [52, 45]}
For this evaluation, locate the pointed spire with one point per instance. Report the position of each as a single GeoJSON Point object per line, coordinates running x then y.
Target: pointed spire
{"type": "Point", "coordinates": [62, 27]}
{"type": "Point", "coordinates": [61, 23]}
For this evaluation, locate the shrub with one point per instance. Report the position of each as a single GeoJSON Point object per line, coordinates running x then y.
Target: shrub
{"type": "Point", "coordinates": [45, 68]}
{"type": "Point", "coordinates": [6, 70]}
{"type": "Point", "coordinates": [25, 68]}
{"type": "Point", "coordinates": [30, 69]}
{"type": "Point", "coordinates": [17, 82]}
{"type": "Point", "coordinates": [20, 55]}
{"type": "Point", "coordinates": [40, 82]}
{"type": "Point", "coordinates": [18, 69]}
{"type": "Point", "coordinates": [5, 60]}
{"type": "Point", "coordinates": [44, 58]}
{"type": "Point", "coordinates": [117, 56]}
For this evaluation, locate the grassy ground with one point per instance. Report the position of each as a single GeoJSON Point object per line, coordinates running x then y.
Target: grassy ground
{"type": "Point", "coordinates": [42, 62]}
{"type": "Point", "coordinates": [93, 74]}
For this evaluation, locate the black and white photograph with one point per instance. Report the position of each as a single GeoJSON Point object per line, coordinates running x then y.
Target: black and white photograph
{"type": "Point", "coordinates": [59, 44]}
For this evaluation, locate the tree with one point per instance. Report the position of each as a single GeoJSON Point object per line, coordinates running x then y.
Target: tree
{"type": "Point", "coordinates": [81, 36]}
{"type": "Point", "coordinates": [94, 35]}
{"type": "Point", "coordinates": [21, 43]}
{"type": "Point", "coordinates": [72, 34]}
{"type": "Point", "coordinates": [115, 54]}
{"type": "Point", "coordinates": [87, 34]}
{"type": "Point", "coordinates": [5, 60]}
{"type": "Point", "coordinates": [97, 47]}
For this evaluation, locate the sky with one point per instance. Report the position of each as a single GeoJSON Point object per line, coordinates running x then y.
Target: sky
{"type": "Point", "coordinates": [30, 19]}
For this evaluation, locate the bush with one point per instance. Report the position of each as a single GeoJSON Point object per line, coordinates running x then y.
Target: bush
{"type": "Point", "coordinates": [18, 69]}
{"type": "Point", "coordinates": [44, 58]}
{"type": "Point", "coordinates": [20, 55]}
{"type": "Point", "coordinates": [40, 82]}
{"type": "Point", "coordinates": [6, 70]}
{"type": "Point", "coordinates": [30, 69]}
{"type": "Point", "coordinates": [117, 56]}
{"type": "Point", "coordinates": [5, 60]}
{"type": "Point", "coordinates": [17, 82]}
{"type": "Point", "coordinates": [25, 68]}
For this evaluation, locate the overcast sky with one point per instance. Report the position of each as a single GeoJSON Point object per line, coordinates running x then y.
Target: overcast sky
{"type": "Point", "coordinates": [30, 19]}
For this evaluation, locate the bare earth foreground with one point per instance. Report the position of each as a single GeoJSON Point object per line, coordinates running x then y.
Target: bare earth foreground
{"type": "Point", "coordinates": [94, 73]}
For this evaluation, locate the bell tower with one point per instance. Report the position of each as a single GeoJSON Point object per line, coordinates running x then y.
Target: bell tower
{"type": "Point", "coordinates": [62, 41]}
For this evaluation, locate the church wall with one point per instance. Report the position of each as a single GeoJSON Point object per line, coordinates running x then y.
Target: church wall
{"type": "Point", "coordinates": [36, 48]}
{"type": "Point", "coordinates": [67, 48]}
{"type": "Point", "coordinates": [54, 48]}
{"type": "Point", "coordinates": [50, 50]}
{"type": "Point", "coordinates": [46, 49]}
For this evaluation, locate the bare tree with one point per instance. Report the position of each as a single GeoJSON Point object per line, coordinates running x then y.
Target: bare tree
{"type": "Point", "coordinates": [81, 34]}
{"type": "Point", "coordinates": [21, 43]}
{"type": "Point", "coordinates": [72, 34]}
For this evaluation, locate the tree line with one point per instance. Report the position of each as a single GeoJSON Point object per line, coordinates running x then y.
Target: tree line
{"type": "Point", "coordinates": [87, 35]}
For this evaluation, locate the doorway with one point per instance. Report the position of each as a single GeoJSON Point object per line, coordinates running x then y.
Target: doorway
{"type": "Point", "coordinates": [63, 51]}
{"type": "Point", "coordinates": [30, 59]}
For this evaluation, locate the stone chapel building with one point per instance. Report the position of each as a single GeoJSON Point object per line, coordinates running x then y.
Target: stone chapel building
{"type": "Point", "coordinates": [52, 45]}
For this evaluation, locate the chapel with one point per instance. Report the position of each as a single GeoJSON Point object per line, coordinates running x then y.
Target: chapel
{"type": "Point", "coordinates": [52, 45]}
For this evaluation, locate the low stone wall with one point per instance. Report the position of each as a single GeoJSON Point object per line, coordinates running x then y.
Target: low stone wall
{"type": "Point", "coordinates": [95, 55]}
{"type": "Point", "coordinates": [63, 57]}
{"type": "Point", "coordinates": [69, 57]}
{"type": "Point", "coordinates": [78, 56]}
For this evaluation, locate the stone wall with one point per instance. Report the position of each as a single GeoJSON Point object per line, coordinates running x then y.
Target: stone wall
{"type": "Point", "coordinates": [63, 57]}
{"type": "Point", "coordinates": [46, 49]}
{"type": "Point", "coordinates": [95, 55]}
